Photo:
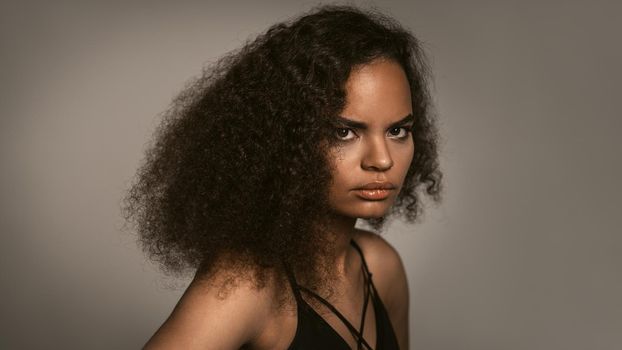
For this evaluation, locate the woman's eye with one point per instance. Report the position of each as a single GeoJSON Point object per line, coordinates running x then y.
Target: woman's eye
{"type": "Point", "coordinates": [400, 132]}
{"type": "Point", "coordinates": [342, 134]}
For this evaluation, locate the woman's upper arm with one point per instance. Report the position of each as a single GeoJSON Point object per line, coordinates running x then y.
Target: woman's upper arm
{"type": "Point", "coordinates": [204, 320]}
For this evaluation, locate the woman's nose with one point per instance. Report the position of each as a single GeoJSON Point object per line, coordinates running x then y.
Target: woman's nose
{"type": "Point", "coordinates": [377, 156]}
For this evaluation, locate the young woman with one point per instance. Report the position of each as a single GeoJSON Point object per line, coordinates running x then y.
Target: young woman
{"type": "Point", "coordinates": [262, 167]}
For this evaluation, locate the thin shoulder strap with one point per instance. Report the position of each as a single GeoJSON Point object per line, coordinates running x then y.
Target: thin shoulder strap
{"type": "Point", "coordinates": [356, 246]}
{"type": "Point", "coordinates": [293, 284]}
{"type": "Point", "coordinates": [371, 282]}
{"type": "Point", "coordinates": [366, 295]}
{"type": "Point", "coordinates": [369, 286]}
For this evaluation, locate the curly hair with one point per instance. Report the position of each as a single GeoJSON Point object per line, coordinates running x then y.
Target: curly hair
{"type": "Point", "coordinates": [236, 176]}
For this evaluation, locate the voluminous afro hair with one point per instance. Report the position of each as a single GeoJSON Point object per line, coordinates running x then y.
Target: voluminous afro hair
{"type": "Point", "coordinates": [236, 177]}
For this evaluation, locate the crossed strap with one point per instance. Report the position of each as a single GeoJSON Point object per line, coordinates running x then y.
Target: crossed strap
{"type": "Point", "coordinates": [367, 291]}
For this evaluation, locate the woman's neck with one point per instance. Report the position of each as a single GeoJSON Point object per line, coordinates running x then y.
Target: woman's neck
{"type": "Point", "coordinates": [342, 231]}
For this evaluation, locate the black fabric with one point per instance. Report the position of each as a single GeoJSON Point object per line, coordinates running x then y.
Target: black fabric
{"type": "Point", "coordinates": [313, 332]}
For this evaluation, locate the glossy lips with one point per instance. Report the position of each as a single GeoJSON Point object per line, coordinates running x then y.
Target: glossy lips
{"type": "Point", "coordinates": [375, 190]}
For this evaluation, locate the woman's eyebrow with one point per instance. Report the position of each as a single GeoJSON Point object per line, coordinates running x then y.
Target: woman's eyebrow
{"type": "Point", "coordinates": [362, 126]}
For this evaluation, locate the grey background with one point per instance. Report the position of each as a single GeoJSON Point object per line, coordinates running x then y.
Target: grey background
{"type": "Point", "coordinates": [524, 252]}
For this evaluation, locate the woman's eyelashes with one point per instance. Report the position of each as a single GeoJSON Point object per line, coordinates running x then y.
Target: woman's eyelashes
{"type": "Point", "coordinates": [342, 133]}
{"type": "Point", "coordinates": [398, 132]}
{"type": "Point", "coordinates": [402, 132]}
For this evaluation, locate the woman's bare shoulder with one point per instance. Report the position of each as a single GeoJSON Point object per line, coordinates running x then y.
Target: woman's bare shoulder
{"type": "Point", "coordinates": [378, 252]}
{"type": "Point", "coordinates": [389, 277]}
{"type": "Point", "coordinates": [385, 264]}
{"type": "Point", "coordinates": [215, 314]}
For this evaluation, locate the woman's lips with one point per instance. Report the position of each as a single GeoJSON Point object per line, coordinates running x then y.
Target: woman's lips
{"type": "Point", "coordinates": [375, 195]}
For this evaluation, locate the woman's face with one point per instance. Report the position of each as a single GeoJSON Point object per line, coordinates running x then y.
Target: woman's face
{"type": "Point", "coordinates": [376, 146]}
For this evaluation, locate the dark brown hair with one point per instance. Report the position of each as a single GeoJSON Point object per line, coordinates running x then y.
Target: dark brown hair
{"type": "Point", "coordinates": [236, 177]}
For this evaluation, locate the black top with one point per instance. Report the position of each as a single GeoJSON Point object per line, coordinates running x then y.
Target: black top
{"type": "Point", "coordinates": [313, 332]}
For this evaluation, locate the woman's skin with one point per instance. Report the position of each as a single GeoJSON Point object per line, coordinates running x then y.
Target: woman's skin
{"type": "Point", "coordinates": [378, 96]}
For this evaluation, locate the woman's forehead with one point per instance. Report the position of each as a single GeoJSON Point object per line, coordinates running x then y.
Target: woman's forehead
{"type": "Point", "coordinates": [377, 90]}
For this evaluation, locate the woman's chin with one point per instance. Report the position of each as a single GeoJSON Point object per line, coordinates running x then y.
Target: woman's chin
{"type": "Point", "coordinates": [373, 213]}
{"type": "Point", "coordinates": [366, 217]}
{"type": "Point", "coordinates": [365, 209]}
